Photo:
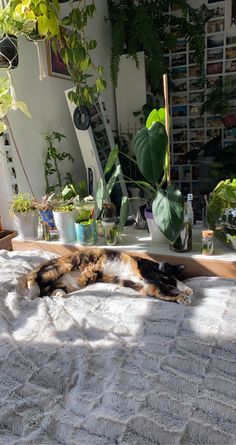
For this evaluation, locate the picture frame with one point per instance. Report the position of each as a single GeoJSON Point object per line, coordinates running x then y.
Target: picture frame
{"type": "Point", "coordinates": [56, 66]}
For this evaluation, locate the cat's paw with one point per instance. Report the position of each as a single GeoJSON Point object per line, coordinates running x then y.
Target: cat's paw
{"type": "Point", "coordinates": [59, 293]}
{"type": "Point", "coordinates": [184, 299]}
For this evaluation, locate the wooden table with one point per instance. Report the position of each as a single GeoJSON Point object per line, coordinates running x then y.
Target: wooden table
{"type": "Point", "coordinates": [138, 243]}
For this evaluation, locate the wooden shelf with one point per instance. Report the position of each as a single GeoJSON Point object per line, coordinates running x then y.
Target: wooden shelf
{"type": "Point", "coordinates": [138, 243]}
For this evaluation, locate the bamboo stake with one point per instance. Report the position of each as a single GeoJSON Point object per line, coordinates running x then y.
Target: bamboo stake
{"type": "Point", "coordinates": [167, 125]}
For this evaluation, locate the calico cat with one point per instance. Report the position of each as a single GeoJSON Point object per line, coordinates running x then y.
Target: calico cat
{"type": "Point", "coordinates": [69, 273]}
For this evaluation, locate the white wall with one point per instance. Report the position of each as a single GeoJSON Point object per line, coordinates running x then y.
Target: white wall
{"type": "Point", "coordinates": [48, 107]}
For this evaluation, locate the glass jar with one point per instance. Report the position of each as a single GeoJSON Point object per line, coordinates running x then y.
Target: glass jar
{"type": "Point", "coordinates": [110, 232]}
{"type": "Point", "coordinates": [207, 242]}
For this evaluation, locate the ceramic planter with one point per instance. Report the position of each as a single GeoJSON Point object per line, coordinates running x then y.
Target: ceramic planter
{"type": "Point", "coordinates": [156, 234]}
{"type": "Point", "coordinates": [65, 224]}
{"type": "Point", "coordinates": [86, 234]}
{"type": "Point", "coordinates": [27, 225]}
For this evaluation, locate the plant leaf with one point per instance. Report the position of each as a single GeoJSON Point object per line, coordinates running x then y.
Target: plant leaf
{"type": "Point", "coordinates": [156, 116]}
{"type": "Point", "coordinates": [113, 178]}
{"type": "Point", "coordinates": [168, 211]}
{"type": "Point", "coordinates": [23, 107]}
{"type": "Point", "coordinates": [112, 158]}
{"type": "Point", "coordinates": [124, 211]}
{"type": "Point", "coordinates": [150, 147]}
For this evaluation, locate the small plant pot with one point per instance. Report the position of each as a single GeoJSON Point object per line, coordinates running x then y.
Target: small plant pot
{"type": "Point", "coordinates": [86, 233]}
{"type": "Point", "coordinates": [155, 233]}
{"type": "Point", "coordinates": [110, 232]}
{"type": "Point", "coordinates": [27, 225]}
{"type": "Point", "coordinates": [65, 224]}
{"type": "Point", "coordinates": [47, 216]}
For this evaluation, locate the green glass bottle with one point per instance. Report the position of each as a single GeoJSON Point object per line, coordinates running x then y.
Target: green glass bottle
{"type": "Point", "coordinates": [183, 242]}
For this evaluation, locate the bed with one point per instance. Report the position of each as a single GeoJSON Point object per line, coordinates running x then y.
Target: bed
{"type": "Point", "coordinates": [105, 366]}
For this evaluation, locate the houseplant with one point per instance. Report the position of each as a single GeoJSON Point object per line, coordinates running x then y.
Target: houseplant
{"type": "Point", "coordinates": [150, 148]}
{"type": "Point", "coordinates": [103, 206]}
{"type": "Point", "coordinates": [8, 102]}
{"type": "Point", "coordinates": [150, 26]}
{"type": "Point", "coordinates": [75, 51]}
{"type": "Point", "coordinates": [32, 19]}
{"type": "Point", "coordinates": [221, 211]}
{"type": "Point", "coordinates": [53, 157]}
{"type": "Point", "coordinates": [23, 210]}
{"type": "Point", "coordinates": [85, 225]}
{"type": "Point", "coordinates": [64, 213]}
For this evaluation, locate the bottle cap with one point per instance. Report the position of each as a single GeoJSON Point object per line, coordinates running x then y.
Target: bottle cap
{"type": "Point", "coordinates": [190, 197]}
{"type": "Point", "coordinates": [207, 233]}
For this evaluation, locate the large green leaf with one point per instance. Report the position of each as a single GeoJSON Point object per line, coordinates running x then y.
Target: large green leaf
{"type": "Point", "coordinates": [150, 147]}
{"type": "Point", "coordinates": [100, 194]}
{"type": "Point", "coordinates": [113, 178]}
{"type": "Point", "coordinates": [168, 211]}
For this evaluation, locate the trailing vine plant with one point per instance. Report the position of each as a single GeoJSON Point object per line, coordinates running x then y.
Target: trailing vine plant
{"type": "Point", "coordinates": [33, 19]}
{"type": "Point", "coordinates": [150, 26]}
{"type": "Point", "coordinates": [75, 51]}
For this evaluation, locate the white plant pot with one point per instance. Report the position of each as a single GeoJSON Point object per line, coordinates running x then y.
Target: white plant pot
{"type": "Point", "coordinates": [27, 225]}
{"type": "Point", "coordinates": [155, 233]}
{"type": "Point", "coordinates": [65, 224]}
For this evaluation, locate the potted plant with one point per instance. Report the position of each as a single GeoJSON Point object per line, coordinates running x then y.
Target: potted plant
{"type": "Point", "coordinates": [53, 157]}
{"type": "Point", "coordinates": [23, 209]}
{"type": "Point", "coordinates": [64, 213]}
{"type": "Point", "coordinates": [32, 19]}
{"type": "Point", "coordinates": [150, 147]}
{"type": "Point", "coordinates": [75, 50]}
{"type": "Point", "coordinates": [85, 226]}
{"type": "Point", "coordinates": [221, 212]}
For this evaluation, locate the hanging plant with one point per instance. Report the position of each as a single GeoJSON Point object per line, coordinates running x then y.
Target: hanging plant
{"type": "Point", "coordinates": [75, 50]}
{"type": "Point", "coordinates": [7, 102]}
{"type": "Point", "coordinates": [33, 19]}
{"type": "Point", "coordinates": [149, 26]}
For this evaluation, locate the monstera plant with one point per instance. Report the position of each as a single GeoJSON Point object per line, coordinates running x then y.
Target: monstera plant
{"type": "Point", "coordinates": [150, 148]}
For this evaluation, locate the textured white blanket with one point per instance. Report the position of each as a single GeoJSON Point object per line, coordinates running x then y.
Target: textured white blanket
{"type": "Point", "coordinates": [108, 367]}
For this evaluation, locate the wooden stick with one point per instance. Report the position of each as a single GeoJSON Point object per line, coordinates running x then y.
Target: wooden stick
{"type": "Point", "coordinates": [167, 124]}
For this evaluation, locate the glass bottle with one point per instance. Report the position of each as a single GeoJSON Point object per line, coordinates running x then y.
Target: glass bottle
{"type": "Point", "coordinates": [190, 207]}
{"type": "Point", "coordinates": [183, 242]}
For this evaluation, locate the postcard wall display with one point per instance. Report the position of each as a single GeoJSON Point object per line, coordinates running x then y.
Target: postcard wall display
{"type": "Point", "coordinates": [190, 127]}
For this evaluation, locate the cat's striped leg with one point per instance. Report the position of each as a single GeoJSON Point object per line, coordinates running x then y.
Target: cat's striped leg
{"type": "Point", "coordinates": [181, 296]}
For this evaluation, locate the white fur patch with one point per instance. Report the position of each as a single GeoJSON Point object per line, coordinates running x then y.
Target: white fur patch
{"type": "Point", "coordinates": [70, 280]}
{"type": "Point", "coordinates": [183, 288]}
{"type": "Point", "coordinates": [121, 269]}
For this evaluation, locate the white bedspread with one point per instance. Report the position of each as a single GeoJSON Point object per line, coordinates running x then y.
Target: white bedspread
{"type": "Point", "coordinates": [107, 367]}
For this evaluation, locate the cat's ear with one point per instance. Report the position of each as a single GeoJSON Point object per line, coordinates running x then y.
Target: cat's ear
{"type": "Point", "coordinates": [180, 267]}
{"type": "Point", "coordinates": [171, 269]}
